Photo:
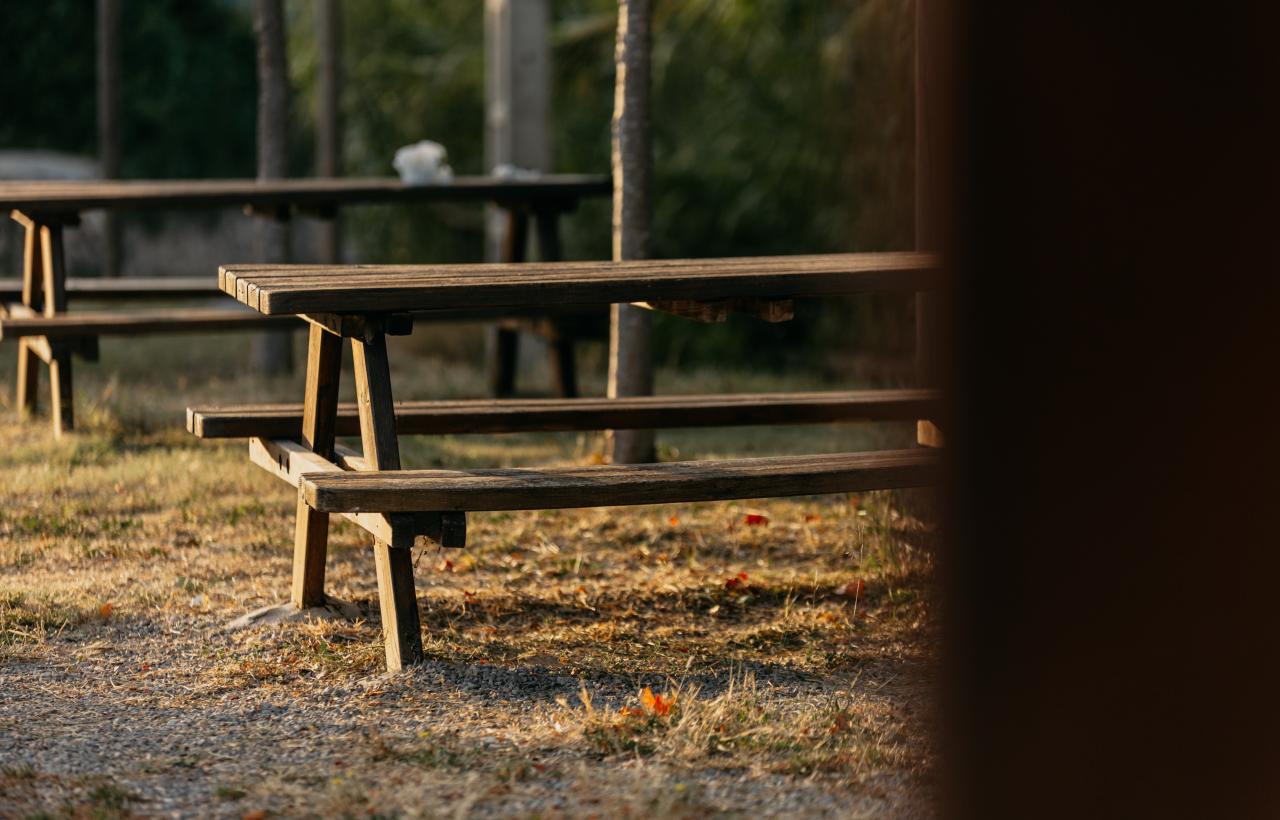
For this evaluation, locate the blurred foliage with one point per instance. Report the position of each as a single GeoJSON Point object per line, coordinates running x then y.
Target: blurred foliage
{"type": "Point", "coordinates": [779, 127]}
{"type": "Point", "coordinates": [187, 85]}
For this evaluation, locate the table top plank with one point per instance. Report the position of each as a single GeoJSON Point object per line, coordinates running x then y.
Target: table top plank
{"type": "Point", "coordinates": [278, 289]}
{"type": "Point", "coordinates": [63, 196]}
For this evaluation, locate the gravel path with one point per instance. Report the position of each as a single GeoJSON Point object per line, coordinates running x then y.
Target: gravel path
{"type": "Point", "coordinates": [124, 719]}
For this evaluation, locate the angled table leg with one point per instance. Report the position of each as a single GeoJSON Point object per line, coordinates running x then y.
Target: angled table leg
{"type": "Point", "coordinates": [52, 256]}
{"type": "Point", "coordinates": [401, 628]}
{"type": "Point", "coordinates": [319, 417]}
{"type": "Point", "coordinates": [32, 293]}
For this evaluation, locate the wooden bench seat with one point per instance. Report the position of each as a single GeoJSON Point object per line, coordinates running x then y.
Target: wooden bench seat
{"type": "Point", "coordinates": [117, 323]}
{"type": "Point", "coordinates": [143, 287]}
{"type": "Point", "coordinates": [524, 415]}
{"type": "Point", "coordinates": [389, 491]}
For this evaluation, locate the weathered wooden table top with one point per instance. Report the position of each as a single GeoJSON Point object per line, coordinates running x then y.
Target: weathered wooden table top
{"type": "Point", "coordinates": [278, 289]}
{"type": "Point", "coordinates": [59, 196]}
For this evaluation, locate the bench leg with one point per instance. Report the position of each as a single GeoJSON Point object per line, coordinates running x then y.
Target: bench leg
{"type": "Point", "coordinates": [62, 404]}
{"type": "Point", "coordinates": [401, 629]}
{"type": "Point", "coordinates": [319, 416]}
{"type": "Point", "coordinates": [28, 380]}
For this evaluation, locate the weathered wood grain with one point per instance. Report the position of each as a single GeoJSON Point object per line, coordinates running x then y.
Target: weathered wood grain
{"type": "Point", "coordinates": [128, 323]}
{"type": "Point", "coordinates": [320, 410]}
{"type": "Point", "coordinates": [616, 485]}
{"type": "Point", "coordinates": [61, 404]}
{"type": "Point", "coordinates": [32, 291]}
{"type": "Point", "coordinates": [523, 415]}
{"type": "Point", "coordinates": [289, 461]}
{"type": "Point", "coordinates": [131, 289]}
{"type": "Point", "coordinates": [45, 197]}
{"type": "Point", "coordinates": [401, 629]}
{"type": "Point", "coordinates": [275, 289]}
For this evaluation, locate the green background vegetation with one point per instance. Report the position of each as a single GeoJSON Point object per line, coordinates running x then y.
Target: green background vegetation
{"type": "Point", "coordinates": [780, 127]}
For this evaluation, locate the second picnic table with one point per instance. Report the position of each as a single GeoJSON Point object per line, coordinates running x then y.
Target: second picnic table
{"type": "Point", "coordinates": [36, 309]}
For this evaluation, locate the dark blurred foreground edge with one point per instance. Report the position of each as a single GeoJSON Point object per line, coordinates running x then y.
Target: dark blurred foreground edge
{"type": "Point", "coordinates": [1113, 573]}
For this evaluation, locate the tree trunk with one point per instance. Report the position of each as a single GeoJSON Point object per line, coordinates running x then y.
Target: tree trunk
{"type": "Point", "coordinates": [109, 123]}
{"type": "Point", "coordinates": [929, 306]}
{"type": "Point", "coordinates": [328, 117]}
{"type": "Point", "coordinates": [630, 359]}
{"type": "Point", "coordinates": [272, 351]}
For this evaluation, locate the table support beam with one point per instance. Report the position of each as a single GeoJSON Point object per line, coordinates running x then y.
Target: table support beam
{"type": "Point", "coordinates": [319, 418]}
{"type": "Point", "coordinates": [401, 628]}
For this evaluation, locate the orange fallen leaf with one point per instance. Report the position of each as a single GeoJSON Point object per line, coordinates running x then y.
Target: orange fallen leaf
{"type": "Point", "coordinates": [260, 814]}
{"type": "Point", "coordinates": [106, 610]}
{"type": "Point", "coordinates": [469, 596]}
{"type": "Point", "coordinates": [673, 521]}
{"type": "Point", "coordinates": [445, 566]}
{"type": "Point", "coordinates": [657, 704]}
{"type": "Point", "coordinates": [631, 711]}
{"type": "Point", "coordinates": [736, 581]}
{"type": "Point", "coordinates": [756, 520]}
{"type": "Point", "coordinates": [811, 517]}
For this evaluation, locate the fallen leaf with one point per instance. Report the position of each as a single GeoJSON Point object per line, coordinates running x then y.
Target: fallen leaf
{"type": "Point", "coordinates": [811, 517]}
{"type": "Point", "coordinates": [469, 596]}
{"type": "Point", "coordinates": [658, 704]}
{"type": "Point", "coordinates": [631, 711]}
{"type": "Point", "coordinates": [106, 610]}
{"type": "Point", "coordinates": [673, 521]}
{"type": "Point", "coordinates": [736, 581]}
{"type": "Point", "coordinates": [445, 566]}
{"type": "Point", "coordinates": [260, 814]}
{"type": "Point", "coordinates": [756, 520]}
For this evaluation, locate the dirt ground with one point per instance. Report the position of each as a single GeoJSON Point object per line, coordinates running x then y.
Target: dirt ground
{"type": "Point", "coordinates": [765, 658]}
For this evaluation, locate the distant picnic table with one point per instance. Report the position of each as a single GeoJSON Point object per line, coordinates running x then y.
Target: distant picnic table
{"type": "Point", "coordinates": [36, 307]}
{"type": "Point", "coordinates": [366, 304]}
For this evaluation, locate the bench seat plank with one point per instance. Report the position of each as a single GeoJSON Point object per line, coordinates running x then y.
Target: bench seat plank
{"type": "Point", "coordinates": [142, 287]}
{"type": "Point", "coordinates": [618, 484]}
{"type": "Point", "coordinates": [277, 289]}
{"type": "Point", "coordinates": [527, 415]}
{"type": "Point", "coordinates": [104, 323]}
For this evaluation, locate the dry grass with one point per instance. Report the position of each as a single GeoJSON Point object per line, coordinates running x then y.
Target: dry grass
{"type": "Point", "coordinates": [796, 651]}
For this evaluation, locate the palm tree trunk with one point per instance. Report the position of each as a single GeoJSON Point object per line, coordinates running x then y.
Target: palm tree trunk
{"type": "Point", "coordinates": [630, 359]}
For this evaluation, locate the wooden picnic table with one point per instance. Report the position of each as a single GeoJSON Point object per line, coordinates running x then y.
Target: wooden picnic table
{"type": "Point", "coordinates": [366, 303]}
{"type": "Point", "coordinates": [47, 333]}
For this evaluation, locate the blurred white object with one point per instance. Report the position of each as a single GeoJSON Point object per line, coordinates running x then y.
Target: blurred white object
{"type": "Point", "coordinates": [505, 170]}
{"type": "Point", "coordinates": [422, 163]}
